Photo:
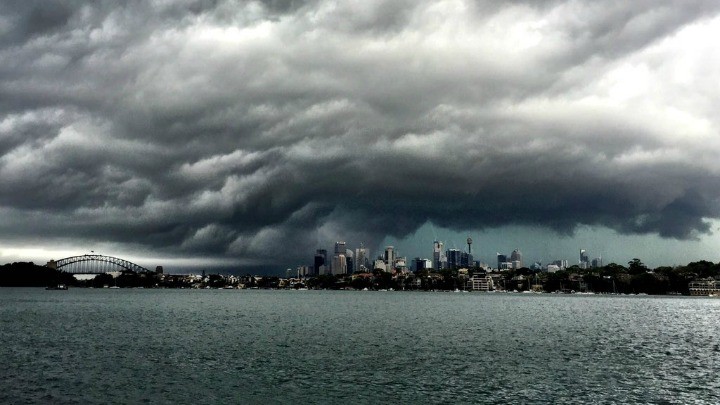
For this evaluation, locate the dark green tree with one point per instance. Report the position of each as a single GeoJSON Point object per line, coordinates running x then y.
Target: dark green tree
{"type": "Point", "coordinates": [635, 266]}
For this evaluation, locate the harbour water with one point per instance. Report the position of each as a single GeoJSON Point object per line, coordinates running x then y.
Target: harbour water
{"type": "Point", "coordinates": [253, 346]}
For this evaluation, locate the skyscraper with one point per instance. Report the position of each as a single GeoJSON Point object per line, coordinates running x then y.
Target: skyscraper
{"type": "Point", "coordinates": [350, 259]}
{"type": "Point", "coordinates": [320, 261]}
{"type": "Point", "coordinates": [466, 260]}
{"type": "Point", "coordinates": [419, 264]}
{"type": "Point", "coordinates": [339, 248]}
{"type": "Point", "coordinates": [516, 258]}
{"type": "Point", "coordinates": [439, 258]}
{"type": "Point", "coordinates": [362, 258]}
{"type": "Point", "coordinates": [501, 260]}
{"type": "Point", "coordinates": [584, 259]}
{"type": "Point", "coordinates": [389, 257]}
{"type": "Point", "coordinates": [453, 258]}
{"type": "Point", "coordinates": [339, 264]}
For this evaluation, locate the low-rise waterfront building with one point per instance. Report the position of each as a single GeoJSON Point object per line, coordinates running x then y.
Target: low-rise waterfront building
{"type": "Point", "coordinates": [704, 287]}
{"type": "Point", "coordinates": [480, 282]}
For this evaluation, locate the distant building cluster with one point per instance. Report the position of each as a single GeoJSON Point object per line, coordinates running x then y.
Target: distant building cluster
{"type": "Point", "coordinates": [349, 261]}
{"type": "Point", "coordinates": [343, 260]}
{"type": "Point", "coordinates": [585, 262]}
{"type": "Point", "coordinates": [515, 260]}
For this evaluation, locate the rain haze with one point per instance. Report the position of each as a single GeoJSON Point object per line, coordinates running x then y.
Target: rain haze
{"type": "Point", "coordinates": [246, 135]}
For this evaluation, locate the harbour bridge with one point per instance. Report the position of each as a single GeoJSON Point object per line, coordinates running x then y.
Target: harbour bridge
{"type": "Point", "coordinates": [94, 264]}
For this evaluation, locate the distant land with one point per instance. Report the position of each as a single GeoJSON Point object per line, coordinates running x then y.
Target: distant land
{"type": "Point", "coordinates": [696, 278]}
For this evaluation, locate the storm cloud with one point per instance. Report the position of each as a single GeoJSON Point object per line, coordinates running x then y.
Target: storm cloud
{"type": "Point", "coordinates": [258, 131]}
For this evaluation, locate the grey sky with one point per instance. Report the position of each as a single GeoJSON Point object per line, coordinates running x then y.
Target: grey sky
{"type": "Point", "coordinates": [254, 132]}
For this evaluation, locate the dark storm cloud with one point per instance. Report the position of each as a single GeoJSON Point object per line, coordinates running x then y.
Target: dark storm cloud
{"type": "Point", "coordinates": [258, 129]}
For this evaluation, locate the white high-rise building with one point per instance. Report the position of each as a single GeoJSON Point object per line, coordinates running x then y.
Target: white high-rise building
{"type": "Point", "coordinates": [339, 263]}
{"type": "Point", "coordinates": [516, 259]}
{"type": "Point", "coordinates": [439, 258]}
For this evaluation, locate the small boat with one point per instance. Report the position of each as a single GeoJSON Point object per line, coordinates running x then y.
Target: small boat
{"type": "Point", "coordinates": [57, 287]}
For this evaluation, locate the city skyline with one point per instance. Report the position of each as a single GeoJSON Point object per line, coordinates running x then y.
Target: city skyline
{"type": "Point", "coordinates": [232, 134]}
{"type": "Point", "coordinates": [619, 249]}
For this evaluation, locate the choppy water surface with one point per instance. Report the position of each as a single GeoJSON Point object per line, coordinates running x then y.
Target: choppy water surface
{"type": "Point", "coordinates": [233, 346]}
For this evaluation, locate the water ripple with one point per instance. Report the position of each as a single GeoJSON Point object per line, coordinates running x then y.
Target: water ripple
{"type": "Point", "coordinates": [167, 346]}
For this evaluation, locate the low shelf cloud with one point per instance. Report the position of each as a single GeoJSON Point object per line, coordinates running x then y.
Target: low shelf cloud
{"type": "Point", "coordinates": [258, 131]}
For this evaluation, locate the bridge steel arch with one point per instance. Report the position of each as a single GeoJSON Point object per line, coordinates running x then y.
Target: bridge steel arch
{"type": "Point", "coordinates": [95, 264]}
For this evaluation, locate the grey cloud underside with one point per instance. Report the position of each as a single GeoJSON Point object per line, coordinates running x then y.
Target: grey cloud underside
{"type": "Point", "coordinates": [235, 128]}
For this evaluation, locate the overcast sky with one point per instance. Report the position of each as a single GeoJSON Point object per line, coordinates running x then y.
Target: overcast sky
{"type": "Point", "coordinates": [252, 133]}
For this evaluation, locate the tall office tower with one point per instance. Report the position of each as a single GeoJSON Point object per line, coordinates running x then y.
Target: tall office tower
{"type": "Point", "coordinates": [350, 258]}
{"type": "Point", "coordinates": [466, 260]}
{"type": "Point", "coordinates": [389, 257]}
{"type": "Point", "coordinates": [500, 260]}
{"type": "Point", "coordinates": [453, 258]}
{"type": "Point", "coordinates": [320, 260]}
{"type": "Point", "coordinates": [362, 258]}
{"type": "Point", "coordinates": [419, 264]}
{"type": "Point", "coordinates": [516, 256]}
{"type": "Point", "coordinates": [597, 262]}
{"type": "Point", "coordinates": [336, 267]}
{"type": "Point", "coordinates": [339, 248]}
{"type": "Point", "coordinates": [584, 259]}
{"type": "Point", "coordinates": [439, 258]}
{"type": "Point", "coordinates": [339, 265]}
